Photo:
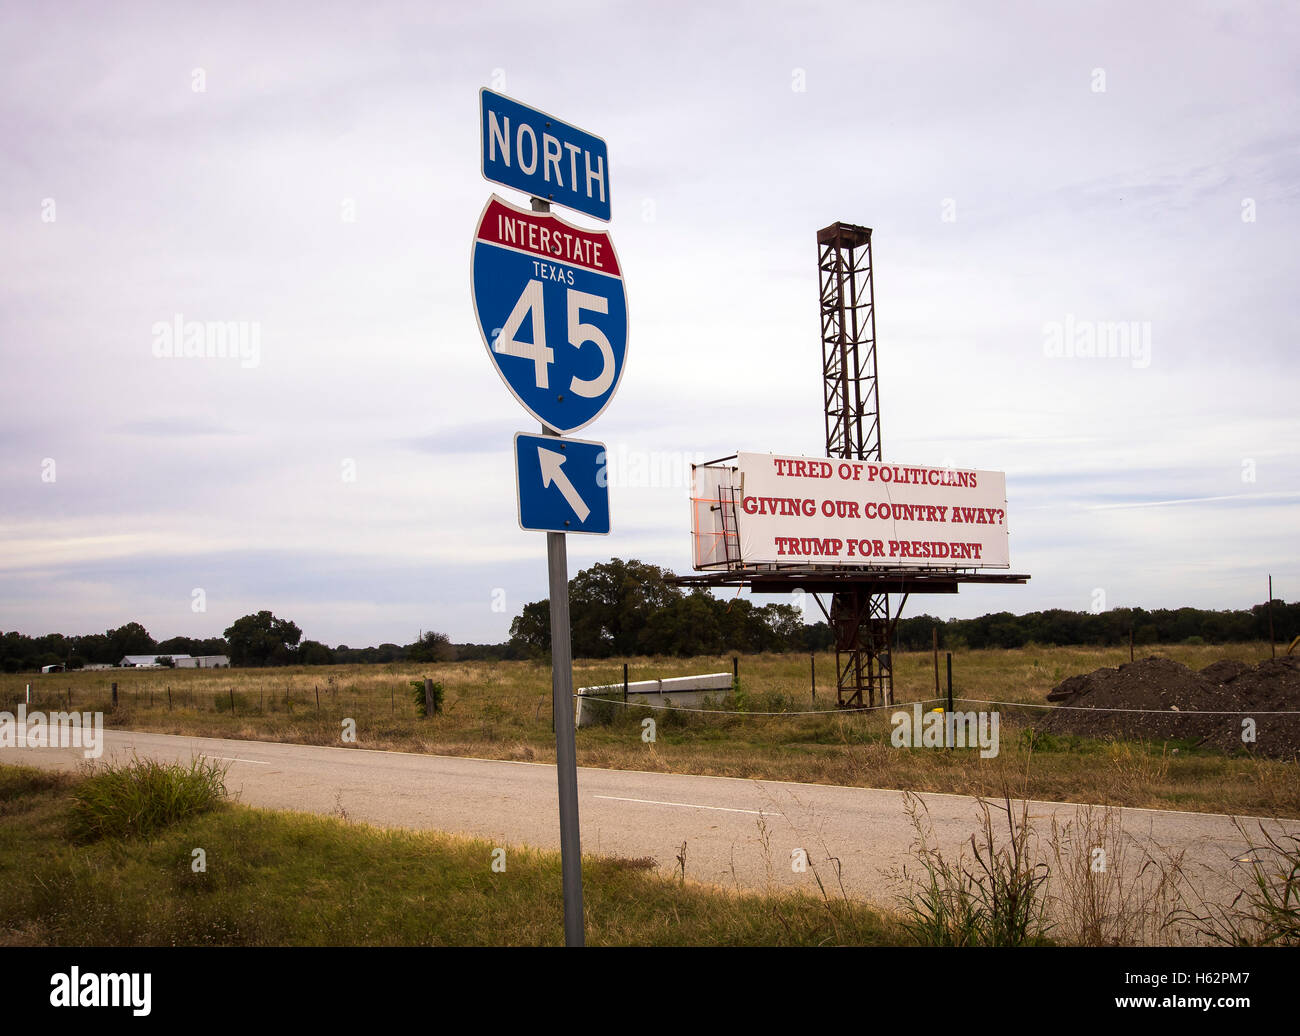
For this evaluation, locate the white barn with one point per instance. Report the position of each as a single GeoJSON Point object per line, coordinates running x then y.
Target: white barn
{"type": "Point", "coordinates": [181, 661]}
{"type": "Point", "coordinates": [144, 661]}
{"type": "Point", "coordinates": [202, 661]}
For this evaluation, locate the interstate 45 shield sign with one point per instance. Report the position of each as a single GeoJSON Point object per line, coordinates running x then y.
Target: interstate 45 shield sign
{"type": "Point", "coordinates": [551, 307]}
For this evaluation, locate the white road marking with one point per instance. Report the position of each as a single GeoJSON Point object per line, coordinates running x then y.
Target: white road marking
{"type": "Point", "coordinates": [686, 805]}
{"type": "Point", "coordinates": [236, 759]}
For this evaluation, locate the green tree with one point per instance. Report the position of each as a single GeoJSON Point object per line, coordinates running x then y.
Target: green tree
{"type": "Point", "coordinates": [690, 625]}
{"type": "Point", "coordinates": [262, 639]}
{"type": "Point", "coordinates": [176, 646]}
{"type": "Point", "coordinates": [610, 604]}
{"type": "Point", "coordinates": [531, 628]}
{"type": "Point", "coordinates": [95, 647]}
{"type": "Point", "coordinates": [313, 652]}
{"type": "Point", "coordinates": [610, 607]}
{"type": "Point", "coordinates": [786, 625]}
{"type": "Point", "coordinates": [431, 647]}
{"type": "Point", "coordinates": [131, 639]}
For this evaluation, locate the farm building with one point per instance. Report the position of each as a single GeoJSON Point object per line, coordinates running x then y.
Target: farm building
{"type": "Point", "coordinates": [181, 661]}
{"type": "Point", "coordinates": [51, 669]}
{"type": "Point", "coordinates": [202, 661]}
{"type": "Point", "coordinates": [143, 661]}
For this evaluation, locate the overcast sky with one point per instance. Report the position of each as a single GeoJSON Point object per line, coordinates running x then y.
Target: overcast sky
{"type": "Point", "coordinates": [314, 169]}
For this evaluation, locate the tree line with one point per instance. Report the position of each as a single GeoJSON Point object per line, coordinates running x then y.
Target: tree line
{"type": "Point", "coordinates": [629, 608]}
{"type": "Point", "coordinates": [1057, 627]}
{"type": "Point", "coordinates": [258, 639]}
{"type": "Point", "coordinates": [624, 608]}
{"type": "Point", "coordinates": [19, 652]}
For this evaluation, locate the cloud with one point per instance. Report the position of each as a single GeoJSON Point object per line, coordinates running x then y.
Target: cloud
{"type": "Point", "coordinates": [172, 427]}
{"type": "Point", "coordinates": [230, 204]}
{"type": "Point", "coordinates": [1267, 499]}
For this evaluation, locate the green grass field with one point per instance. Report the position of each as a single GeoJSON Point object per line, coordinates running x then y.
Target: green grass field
{"type": "Point", "coordinates": [285, 879]}
{"type": "Point", "coordinates": [502, 710]}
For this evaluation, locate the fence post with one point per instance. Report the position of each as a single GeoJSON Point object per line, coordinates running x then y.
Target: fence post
{"type": "Point", "coordinates": [318, 697]}
{"type": "Point", "coordinates": [624, 683]}
{"type": "Point", "coordinates": [812, 668]}
{"type": "Point", "coordinates": [169, 699]}
{"type": "Point", "coordinates": [114, 694]}
{"type": "Point", "coordinates": [934, 646]}
{"type": "Point", "coordinates": [949, 682]}
{"type": "Point", "coordinates": [1272, 644]}
{"type": "Point", "coordinates": [428, 697]}
{"type": "Point", "coordinates": [735, 672]}
{"type": "Point", "coordinates": [232, 701]}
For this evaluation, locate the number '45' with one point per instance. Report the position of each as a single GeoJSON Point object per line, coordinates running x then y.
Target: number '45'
{"type": "Point", "coordinates": [542, 355]}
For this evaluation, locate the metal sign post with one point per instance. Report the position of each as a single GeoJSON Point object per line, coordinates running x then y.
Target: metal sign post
{"type": "Point", "coordinates": [562, 707]}
{"type": "Point", "coordinates": [566, 749]}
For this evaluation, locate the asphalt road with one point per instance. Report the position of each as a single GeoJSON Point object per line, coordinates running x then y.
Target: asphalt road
{"type": "Point", "coordinates": [737, 832]}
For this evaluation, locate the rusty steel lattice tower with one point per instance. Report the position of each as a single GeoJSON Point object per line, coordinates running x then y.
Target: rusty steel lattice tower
{"type": "Point", "coordinates": [858, 614]}
{"type": "Point", "coordinates": [858, 609]}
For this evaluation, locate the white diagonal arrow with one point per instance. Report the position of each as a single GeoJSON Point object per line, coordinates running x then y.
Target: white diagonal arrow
{"type": "Point", "coordinates": [552, 463]}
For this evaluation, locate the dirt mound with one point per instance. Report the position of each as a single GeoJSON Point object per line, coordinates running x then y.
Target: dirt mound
{"type": "Point", "coordinates": [1158, 699]}
{"type": "Point", "coordinates": [1225, 670]}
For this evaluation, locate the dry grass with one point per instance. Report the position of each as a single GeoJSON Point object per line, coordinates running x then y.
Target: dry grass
{"type": "Point", "coordinates": [276, 879]}
{"type": "Point", "coordinates": [503, 711]}
{"type": "Point", "coordinates": [1105, 889]}
{"type": "Point", "coordinates": [991, 893]}
{"type": "Point", "coordinates": [291, 879]}
{"type": "Point", "coordinates": [1266, 912]}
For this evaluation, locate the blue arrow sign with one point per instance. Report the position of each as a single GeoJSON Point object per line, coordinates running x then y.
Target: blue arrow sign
{"type": "Point", "coordinates": [552, 310]}
{"type": "Point", "coordinates": [562, 484]}
{"type": "Point", "coordinates": [534, 152]}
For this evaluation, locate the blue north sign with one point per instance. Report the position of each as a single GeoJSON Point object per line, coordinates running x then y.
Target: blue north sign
{"type": "Point", "coordinates": [534, 152]}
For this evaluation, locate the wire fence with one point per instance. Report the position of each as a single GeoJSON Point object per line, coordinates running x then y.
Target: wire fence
{"type": "Point", "coordinates": [854, 710]}
{"type": "Point", "coordinates": [328, 701]}
{"type": "Point", "coordinates": [314, 701]}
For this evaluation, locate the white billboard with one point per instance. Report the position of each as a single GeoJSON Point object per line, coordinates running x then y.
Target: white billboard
{"type": "Point", "coordinates": [801, 510]}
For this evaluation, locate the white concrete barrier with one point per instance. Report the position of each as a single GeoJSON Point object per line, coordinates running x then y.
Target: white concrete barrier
{"type": "Point", "coordinates": [684, 691]}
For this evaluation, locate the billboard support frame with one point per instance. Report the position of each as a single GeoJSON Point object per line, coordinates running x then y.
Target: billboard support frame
{"type": "Point", "coordinates": [859, 614]}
